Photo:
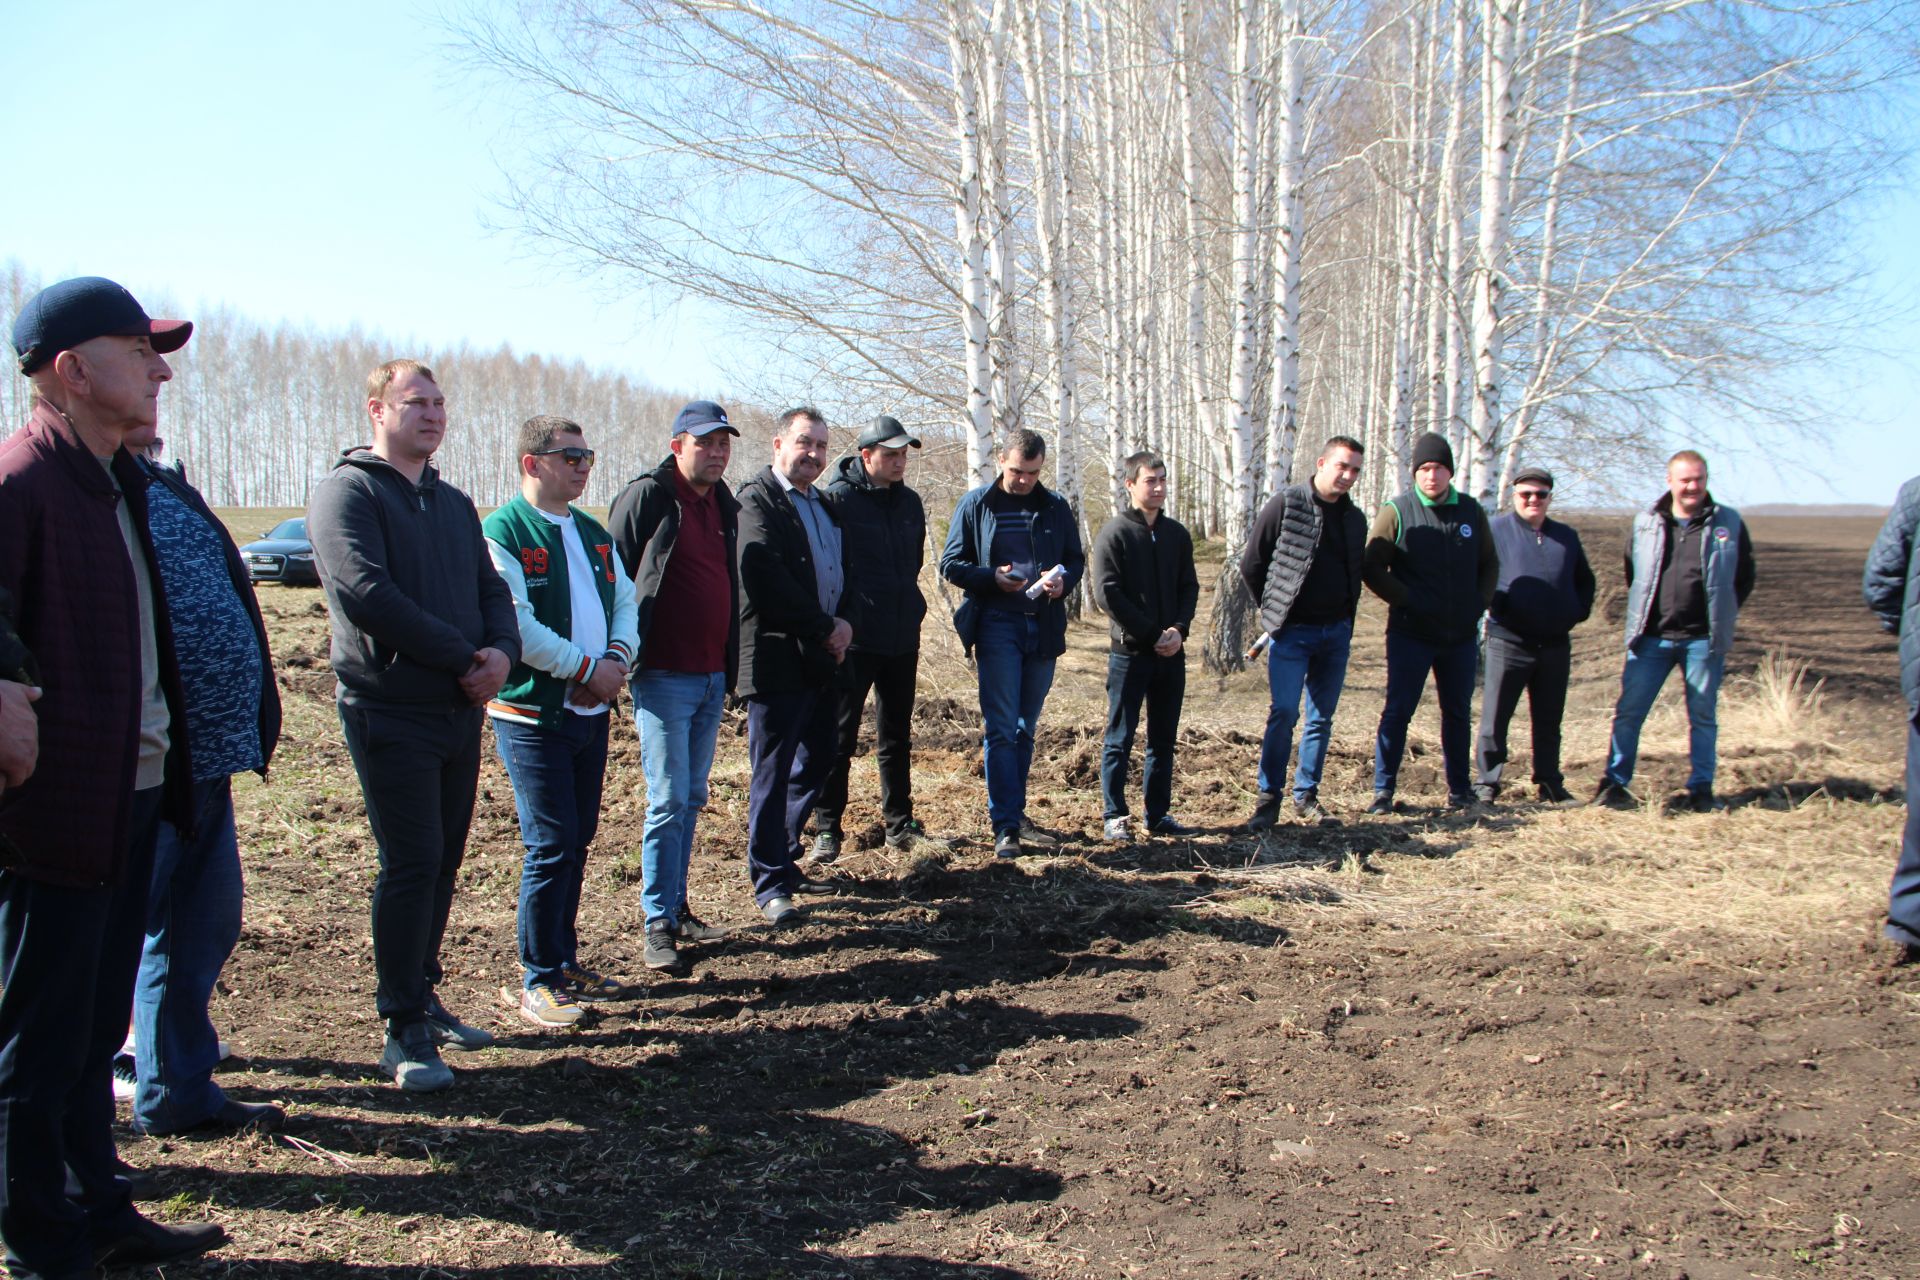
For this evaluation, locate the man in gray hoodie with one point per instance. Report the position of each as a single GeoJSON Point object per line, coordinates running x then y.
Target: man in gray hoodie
{"type": "Point", "coordinates": [424, 634]}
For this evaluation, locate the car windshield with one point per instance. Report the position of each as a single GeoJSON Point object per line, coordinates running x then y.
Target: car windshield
{"type": "Point", "coordinates": [293, 530]}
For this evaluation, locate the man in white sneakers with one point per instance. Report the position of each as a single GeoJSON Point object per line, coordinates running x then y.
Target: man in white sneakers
{"type": "Point", "coordinates": [576, 612]}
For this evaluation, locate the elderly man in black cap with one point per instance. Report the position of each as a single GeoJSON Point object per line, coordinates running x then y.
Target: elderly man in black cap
{"type": "Point", "coordinates": [77, 836]}
{"type": "Point", "coordinates": [1429, 557]}
{"type": "Point", "coordinates": [1545, 591]}
{"type": "Point", "coordinates": [885, 529]}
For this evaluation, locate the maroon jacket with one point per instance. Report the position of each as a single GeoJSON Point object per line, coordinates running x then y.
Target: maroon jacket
{"type": "Point", "coordinates": [76, 607]}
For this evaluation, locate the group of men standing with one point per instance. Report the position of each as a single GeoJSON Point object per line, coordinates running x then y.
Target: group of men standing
{"type": "Point", "coordinates": [124, 606]}
{"type": "Point", "coordinates": [1446, 570]}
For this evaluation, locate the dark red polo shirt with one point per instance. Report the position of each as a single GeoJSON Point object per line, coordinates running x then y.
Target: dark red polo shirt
{"type": "Point", "coordinates": [694, 610]}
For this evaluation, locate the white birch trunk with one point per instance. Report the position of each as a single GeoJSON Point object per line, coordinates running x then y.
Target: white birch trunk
{"type": "Point", "coordinates": [1283, 430]}
{"type": "Point", "coordinates": [1500, 37]}
{"type": "Point", "coordinates": [978, 426]}
{"type": "Point", "coordinates": [1246, 236]}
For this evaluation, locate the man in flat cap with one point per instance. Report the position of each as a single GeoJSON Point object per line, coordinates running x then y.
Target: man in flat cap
{"type": "Point", "coordinates": [884, 526]}
{"type": "Point", "coordinates": [1545, 591]}
{"type": "Point", "coordinates": [77, 836]}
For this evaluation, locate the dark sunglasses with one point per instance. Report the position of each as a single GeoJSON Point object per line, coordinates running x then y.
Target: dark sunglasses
{"type": "Point", "coordinates": [1532, 495]}
{"type": "Point", "coordinates": [573, 453]}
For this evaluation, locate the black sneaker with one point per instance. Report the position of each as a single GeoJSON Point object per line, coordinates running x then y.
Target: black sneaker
{"type": "Point", "coordinates": [826, 846]}
{"type": "Point", "coordinates": [1908, 957]}
{"type": "Point", "coordinates": [1167, 825]}
{"type": "Point", "coordinates": [447, 1029]}
{"type": "Point", "coordinates": [412, 1060]}
{"type": "Point", "coordinates": [1382, 805]}
{"type": "Point", "coordinates": [660, 953]}
{"type": "Point", "coordinates": [1038, 837]}
{"type": "Point", "coordinates": [1266, 813]}
{"type": "Point", "coordinates": [1611, 795]}
{"type": "Point", "coordinates": [913, 838]}
{"type": "Point", "coordinates": [1463, 802]}
{"type": "Point", "coordinates": [1556, 793]}
{"type": "Point", "coordinates": [693, 929]}
{"type": "Point", "coordinates": [1007, 844]}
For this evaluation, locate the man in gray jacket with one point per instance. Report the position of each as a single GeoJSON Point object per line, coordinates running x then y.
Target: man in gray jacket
{"type": "Point", "coordinates": [1892, 586]}
{"type": "Point", "coordinates": [1689, 569]}
{"type": "Point", "coordinates": [1302, 564]}
{"type": "Point", "coordinates": [424, 634]}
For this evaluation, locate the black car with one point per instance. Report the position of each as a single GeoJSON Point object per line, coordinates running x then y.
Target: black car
{"type": "Point", "coordinates": [283, 555]}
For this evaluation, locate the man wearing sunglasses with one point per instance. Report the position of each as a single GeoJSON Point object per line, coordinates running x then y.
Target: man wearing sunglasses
{"type": "Point", "coordinates": [577, 640]}
{"type": "Point", "coordinates": [1545, 591]}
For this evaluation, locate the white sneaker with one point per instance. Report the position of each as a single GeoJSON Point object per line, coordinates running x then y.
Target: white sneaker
{"type": "Point", "coordinates": [1115, 832]}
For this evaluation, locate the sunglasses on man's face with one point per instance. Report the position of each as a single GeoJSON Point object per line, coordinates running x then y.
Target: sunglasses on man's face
{"type": "Point", "coordinates": [1531, 495]}
{"type": "Point", "coordinates": [573, 453]}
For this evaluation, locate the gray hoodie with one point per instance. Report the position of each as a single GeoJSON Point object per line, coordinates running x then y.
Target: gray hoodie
{"type": "Point", "coordinates": [410, 586]}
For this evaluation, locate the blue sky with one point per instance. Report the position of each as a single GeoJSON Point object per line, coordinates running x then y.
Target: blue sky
{"type": "Point", "coordinates": [330, 165]}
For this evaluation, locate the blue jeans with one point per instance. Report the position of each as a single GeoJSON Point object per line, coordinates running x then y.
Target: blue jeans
{"type": "Point", "coordinates": [1311, 660]}
{"type": "Point", "coordinates": [678, 715]}
{"type": "Point", "coordinates": [1161, 682]}
{"type": "Point", "coordinates": [790, 747]}
{"type": "Point", "coordinates": [1649, 660]}
{"type": "Point", "coordinates": [556, 775]}
{"type": "Point", "coordinates": [193, 922]}
{"type": "Point", "coordinates": [1903, 899]}
{"type": "Point", "coordinates": [1014, 680]}
{"type": "Point", "coordinates": [1453, 666]}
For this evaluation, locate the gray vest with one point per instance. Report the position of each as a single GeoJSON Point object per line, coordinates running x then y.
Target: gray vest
{"type": "Point", "coordinates": [1719, 559]}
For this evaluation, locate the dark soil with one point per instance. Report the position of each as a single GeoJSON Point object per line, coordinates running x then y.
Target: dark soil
{"type": "Point", "coordinates": [1081, 1065]}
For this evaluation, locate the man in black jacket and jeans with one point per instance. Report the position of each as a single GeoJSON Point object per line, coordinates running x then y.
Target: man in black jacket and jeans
{"type": "Point", "coordinates": [1429, 557]}
{"type": "Point", "coordinates": [792, 642]}
{"type": "Point", "coordinates": [884, 527]}
{"type": "Point", "coordinates": [423, 635]}
{"type": "Point", "coordinates": [1302, 566]}
{"type": "Point", "coordinates": [1545, 590]}
{"type": "Point", "coordinates": [1143, 577]}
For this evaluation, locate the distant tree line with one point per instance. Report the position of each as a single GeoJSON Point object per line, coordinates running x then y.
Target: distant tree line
{"type": "Point", "coordinates": [257, 412]}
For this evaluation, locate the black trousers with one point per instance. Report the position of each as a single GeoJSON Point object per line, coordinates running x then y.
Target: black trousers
{"type": "Point", "coordinates": [419, 769]}
{"type": "Point", "coordinates": [68, 959]}
{"type": "Point", "coordinates": [894, 679]}
{"type": "Point", "coordinates": [1542, 673]}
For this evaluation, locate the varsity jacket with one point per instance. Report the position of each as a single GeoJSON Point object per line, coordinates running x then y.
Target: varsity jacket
{"type": "Point", "coordinates": [530, 555]}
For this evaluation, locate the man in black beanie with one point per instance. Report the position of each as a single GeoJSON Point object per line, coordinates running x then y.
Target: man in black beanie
{"type": "Point", "coordinates": [1430, 557]}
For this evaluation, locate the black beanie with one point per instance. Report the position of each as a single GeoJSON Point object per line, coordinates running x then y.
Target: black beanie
{"type": "Point", "coordinates": [1432, 447]}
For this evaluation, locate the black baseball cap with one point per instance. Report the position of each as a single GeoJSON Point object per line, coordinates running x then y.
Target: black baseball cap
{"type": "Point", "coordinates": [702, 417]}
{"type": "Point", "coordinates": [887, 433]}
{"type": "Point", "coordinates": [1534, 475]}
{"type": "Point", "coordinates": [62, 316]}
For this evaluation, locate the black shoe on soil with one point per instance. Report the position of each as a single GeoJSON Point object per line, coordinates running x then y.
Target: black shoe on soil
{"type": "Point", "coordinates": [1556, 793]}
{"type": "Point", "coordinates": [1167, 825]}
{"type": "Point", "coordinates": [1038, 837]}
{"type": "Point", "coordinates": [1382, 805]}
{"type": "Point", "coordinates": [150, 1242]}
{"type": "Point", "coordinates": [1704, 801]}
{"type": "Point", "coordinates": [1611, 795]}
{"type": "Point", "coordinates": [1007, 844]}
{"type": "Point", "coordinates": [826, 846]}
{"type": "Point", "coordinates": [661, 953]}
{"type": "Point", "coordinates": [1314, 814]}
{"type": "Point", "coordinates": [1266, 813]}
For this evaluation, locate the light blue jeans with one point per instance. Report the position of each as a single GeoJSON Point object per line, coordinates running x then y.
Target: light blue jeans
{"type": "Point", "coordinates": [1649, 660]}
{"type": "Point", "coordinates": [678, 715]}
{"type": "Point", "coordinates": [1014, 680]}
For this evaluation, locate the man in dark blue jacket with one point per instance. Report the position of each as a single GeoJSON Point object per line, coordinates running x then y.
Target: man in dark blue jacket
{"type": "Point", "coordinates": [1545, 591]}
{"type": "Point", "coordinates": [1892, 586]}
{"type": "Point", "coordinates": [1005, 539]}
{"type": "Point", "coordinates": [884, 527]}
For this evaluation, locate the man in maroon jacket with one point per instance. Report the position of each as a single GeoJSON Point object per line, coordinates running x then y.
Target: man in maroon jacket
{"type": "Point", "coordinates": [77, 837]}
